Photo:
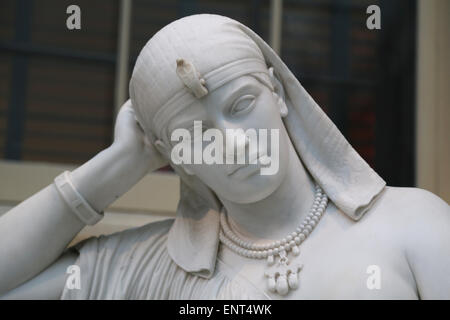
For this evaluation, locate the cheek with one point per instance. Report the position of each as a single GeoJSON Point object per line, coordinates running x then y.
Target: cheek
{"type": "Point", "coordinates": [268, 102]}
{"type": "Point", "coordinates": [266, 115]}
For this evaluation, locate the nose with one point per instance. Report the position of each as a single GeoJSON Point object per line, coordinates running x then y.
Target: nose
{"type": "Point", "coordinates": [236, 144]}
{"type": "Point", "coordinates": [236, 141]}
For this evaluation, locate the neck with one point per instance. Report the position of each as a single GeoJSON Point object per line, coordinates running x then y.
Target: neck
{"type": "Point", "coordinates": [281, 212]}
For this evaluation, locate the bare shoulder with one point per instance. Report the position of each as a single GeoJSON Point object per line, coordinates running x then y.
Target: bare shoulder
{"type": "Point", "coordinates": [410, 217]}
{"type": "Point", "coordinates": [414, 204]}
{"type": "Point", "coordinates": [419, 222]}
{"type": "Point", "coordinates": [417, 219]}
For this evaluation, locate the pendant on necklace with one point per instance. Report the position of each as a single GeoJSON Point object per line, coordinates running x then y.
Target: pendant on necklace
{"type": "Point", "coordinates": [283, 276]}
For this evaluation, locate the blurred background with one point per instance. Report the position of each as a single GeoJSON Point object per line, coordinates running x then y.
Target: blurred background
{"type": "Point", "coordinates": [386, 89]}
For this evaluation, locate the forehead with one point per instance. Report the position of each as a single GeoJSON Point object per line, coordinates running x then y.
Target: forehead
{"type": "Point", "coordinates": [222, 95]}
{"type": "Point", "coordinates": [215, 100]}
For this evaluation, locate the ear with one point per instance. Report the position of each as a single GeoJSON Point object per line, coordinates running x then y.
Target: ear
{"type": "Point", "coordinates": [278, 92]}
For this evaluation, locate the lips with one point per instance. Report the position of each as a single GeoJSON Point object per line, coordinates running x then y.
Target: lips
{"type": "Point", "coordinates": [237, 167]}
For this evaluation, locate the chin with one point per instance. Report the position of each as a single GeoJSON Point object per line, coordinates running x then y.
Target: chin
{"type": "Point", "coordinates": [255, 188]}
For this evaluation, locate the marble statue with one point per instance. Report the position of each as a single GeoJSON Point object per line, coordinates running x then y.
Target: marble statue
{"type": "Point", "coordinates": [323, 225]}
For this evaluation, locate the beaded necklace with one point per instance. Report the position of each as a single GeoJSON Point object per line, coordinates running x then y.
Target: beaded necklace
{"type": "Point", "coordinates": [281, 275]}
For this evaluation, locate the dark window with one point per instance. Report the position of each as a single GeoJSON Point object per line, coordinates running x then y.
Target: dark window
{"type": "Point", "coordinates": [57, 86]}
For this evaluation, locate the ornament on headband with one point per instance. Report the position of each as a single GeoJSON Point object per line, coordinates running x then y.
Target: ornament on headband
{"type": "Point", "coordinates": [191, 78]}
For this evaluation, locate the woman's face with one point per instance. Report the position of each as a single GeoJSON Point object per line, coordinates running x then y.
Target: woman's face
{"type": "Point", "coordinates": [245, 104]}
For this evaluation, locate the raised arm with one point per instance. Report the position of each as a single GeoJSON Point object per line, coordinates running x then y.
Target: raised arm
{"type": "Point", "coordinates": [34, 234]}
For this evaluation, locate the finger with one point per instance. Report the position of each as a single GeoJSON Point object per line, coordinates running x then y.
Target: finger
{"type": "Point", "coordinates": [139, 124]}
{"type": "Point", "coordinates": [127, 107]}
{"type": "Point", "coordinates": [126, 114]}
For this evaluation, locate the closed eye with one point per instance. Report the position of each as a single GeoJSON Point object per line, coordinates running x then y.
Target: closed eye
{"type": "Point", "coordinates": [243, 104]}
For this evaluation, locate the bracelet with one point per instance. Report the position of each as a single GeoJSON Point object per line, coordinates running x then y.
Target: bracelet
{"type": "Point", "coordinates": [75, 200]}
